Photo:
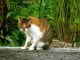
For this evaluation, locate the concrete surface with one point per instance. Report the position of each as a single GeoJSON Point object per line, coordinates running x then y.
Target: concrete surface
{"type": "Point", "coordinates": [15, 53]}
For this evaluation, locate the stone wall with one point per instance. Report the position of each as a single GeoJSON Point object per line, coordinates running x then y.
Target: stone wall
{"type": "Point", "coordinates": [15, 53]}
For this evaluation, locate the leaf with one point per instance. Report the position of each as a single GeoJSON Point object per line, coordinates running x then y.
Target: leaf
{"type": "Point", "coordinates": [7, 27]}
{"type": "Point", "coordinates": [8, 4]}
{"type": "Point", "coordinates": [9, 14]}
{"type": "Point", "coordinates": [10, 40]}
{"type": "Point", "coordinates": [1, 36]}
{"type": "Point", "coordinates": [15, 35]}
{"type": "Point", "coordinates": [0, 16]}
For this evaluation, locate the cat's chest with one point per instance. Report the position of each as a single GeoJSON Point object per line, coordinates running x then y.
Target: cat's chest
{"type": "Point", "coordinates": [34, 31]}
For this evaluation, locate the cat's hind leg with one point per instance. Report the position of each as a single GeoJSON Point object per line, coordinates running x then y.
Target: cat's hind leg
{"type": "Point", "coordinates": [40, 45]}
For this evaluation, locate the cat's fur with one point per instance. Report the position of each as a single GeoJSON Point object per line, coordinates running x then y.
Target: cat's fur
{"type": "Point", "coordinates": [38, 31]}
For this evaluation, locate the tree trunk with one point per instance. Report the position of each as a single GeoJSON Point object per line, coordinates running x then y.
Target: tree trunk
{"type": "Point", "coordinates": [4, 13]}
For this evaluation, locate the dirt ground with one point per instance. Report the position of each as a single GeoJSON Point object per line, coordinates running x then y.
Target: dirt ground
{"type": "Point", "coordinates": [61, 44]}
{"type": "Point", "coordinates": [51, 54]}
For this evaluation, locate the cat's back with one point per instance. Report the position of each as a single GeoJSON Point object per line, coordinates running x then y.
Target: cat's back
{"type": "Point", "coordinates": [46, 29]}
{"type": "Point", "coordinates": [44, 25]}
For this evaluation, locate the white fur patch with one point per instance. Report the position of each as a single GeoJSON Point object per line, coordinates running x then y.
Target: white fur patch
{"type": "Point", "coordinates": [23, 47]}
{"type": "Point", "coordinates": [39, 48]}
{"type": "Point", "coordinates": [40, 44]}
{"type": "Point", "coordinates": [35, 31]}
{"type": "Point", "coordinates": [26, 29]}
{"type": "Point", "coordinates": [31, 47]}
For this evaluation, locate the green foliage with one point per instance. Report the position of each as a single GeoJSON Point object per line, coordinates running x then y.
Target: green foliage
{"type": "Point", "coordinates": [54, 11]}
{"type": "Point", "coordinates": [8, 38]}
{"type": "Point", "coordinates": [78, 41]}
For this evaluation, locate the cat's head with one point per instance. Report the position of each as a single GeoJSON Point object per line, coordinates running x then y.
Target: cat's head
{"type": "Point", "coordinates": [24, 23]}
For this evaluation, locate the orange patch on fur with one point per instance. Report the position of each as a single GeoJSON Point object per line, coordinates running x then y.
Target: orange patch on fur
{"type": "Point", "coordinates": [41, 23]}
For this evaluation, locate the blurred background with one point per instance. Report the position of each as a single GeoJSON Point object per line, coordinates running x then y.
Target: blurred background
{"type": "Point", "coordinates": [63, 15]}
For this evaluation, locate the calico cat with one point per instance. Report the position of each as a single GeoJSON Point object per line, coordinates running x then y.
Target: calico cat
{"type": "Point", "coordinates": [38, 31]}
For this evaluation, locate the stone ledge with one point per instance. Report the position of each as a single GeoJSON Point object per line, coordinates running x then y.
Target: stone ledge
{"type": "Point", "coordinates": [15, 53]}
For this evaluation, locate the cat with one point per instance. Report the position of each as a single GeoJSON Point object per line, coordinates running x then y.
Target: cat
{"type": "Point", "coordinates": [38, 31]}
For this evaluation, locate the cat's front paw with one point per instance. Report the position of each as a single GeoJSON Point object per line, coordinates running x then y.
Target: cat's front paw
{"type": "Point", "coordinates": [23, 47]}
{"type": "Point", "coordinates": [31, 48]}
